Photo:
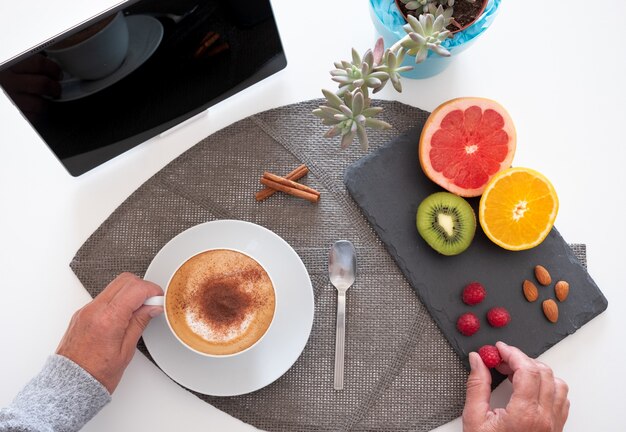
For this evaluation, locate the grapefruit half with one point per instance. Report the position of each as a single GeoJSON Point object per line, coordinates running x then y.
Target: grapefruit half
{"type": "Point", "coordinates": [465, 142]}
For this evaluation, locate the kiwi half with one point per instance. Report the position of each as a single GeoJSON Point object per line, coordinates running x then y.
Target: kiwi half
{"type": "Point", "coordinates": [447, 222]}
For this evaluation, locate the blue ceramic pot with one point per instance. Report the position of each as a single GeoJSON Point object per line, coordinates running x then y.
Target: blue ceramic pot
{"type": "Point", "coordinates": [388, 21]}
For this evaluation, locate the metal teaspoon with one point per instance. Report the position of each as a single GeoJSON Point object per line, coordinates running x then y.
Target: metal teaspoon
{"type": "Point", "coordinates": [342, 272]}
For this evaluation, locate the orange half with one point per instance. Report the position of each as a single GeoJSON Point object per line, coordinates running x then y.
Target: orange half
{"type": "Point", "coordinates": [518, 208]}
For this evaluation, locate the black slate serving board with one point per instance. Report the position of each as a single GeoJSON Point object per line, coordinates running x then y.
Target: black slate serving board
{"type": "Point", "coordinates": [389, 184]}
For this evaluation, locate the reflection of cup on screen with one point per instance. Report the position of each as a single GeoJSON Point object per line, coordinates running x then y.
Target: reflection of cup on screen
{"type": "Point", "coordinates": [94, 52]}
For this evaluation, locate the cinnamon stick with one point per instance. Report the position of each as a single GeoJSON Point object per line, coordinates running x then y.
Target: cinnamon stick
{"type": "Point", "coordinates": [294, 175]}
{"type": "Point", "coordinates": [290, 190]}
{"type": "Point", "coordinates": [208, 40]}
{"type": "Point", "coordinates": [290, 183]}
{"type": "Point", "coordinates": [218, 49]}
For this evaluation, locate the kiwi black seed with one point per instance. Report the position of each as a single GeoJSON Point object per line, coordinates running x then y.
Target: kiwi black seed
{"type": "Point", "coordinates": [447, 222]}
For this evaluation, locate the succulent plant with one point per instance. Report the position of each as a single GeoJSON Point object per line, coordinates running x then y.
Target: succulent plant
{"type": "Point", "coordinates": [425, 33]}
{"type": "Point", "coordinates": [349, 116]}
{"type": "Point", "coordinates": [349, 111]}
{"type": "Point", "coordinates": [360, 73]}
{"type": "Point", "coordinates": [392, 65]}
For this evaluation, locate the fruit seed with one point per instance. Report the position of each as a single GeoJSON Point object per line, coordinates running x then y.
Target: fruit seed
{"type": "Point", "coordinates": [530, 291]}
{"type": "Point", "coordinates": [561, 289]}
{"type": "Point", "coordinates": [550, 310]}
{"type": "Point", "coordinates": [542, 275]}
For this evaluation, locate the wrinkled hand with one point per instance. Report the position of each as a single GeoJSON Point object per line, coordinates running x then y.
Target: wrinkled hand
{"type": "Point", "coordinates": [27, 81]}
{"type": "Point", "coordinates": [102, 336]}
{"type": "Point", "coordinates": [538, 403]}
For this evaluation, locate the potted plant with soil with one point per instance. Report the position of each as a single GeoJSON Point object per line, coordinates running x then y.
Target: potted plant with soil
{"type": "Point", "coordinates": [463, 12]}
{"type": "Point", "coordinates": [469, 19]}
{"type": "Point", "coordinates": [349, 110]}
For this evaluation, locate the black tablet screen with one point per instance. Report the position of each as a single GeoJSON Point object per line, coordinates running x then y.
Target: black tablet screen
{"type": "Point", "coordinates": [181, 58]}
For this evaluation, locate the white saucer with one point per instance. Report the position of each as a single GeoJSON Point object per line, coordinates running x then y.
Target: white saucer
{"type": "Point", "coordinates": [282, 344]}
{"type": "Point", "coordinates": [144, 36]}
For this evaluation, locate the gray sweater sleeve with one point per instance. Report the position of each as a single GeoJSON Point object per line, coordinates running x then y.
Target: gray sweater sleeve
{"type": "Point", "coordinates": [62, 397]}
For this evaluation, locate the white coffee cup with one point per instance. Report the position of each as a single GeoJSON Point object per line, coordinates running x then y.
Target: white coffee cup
{"type": "Point", "coordinates": [162, 301]}
{"type": "Point", "coordinates": [98, 55]}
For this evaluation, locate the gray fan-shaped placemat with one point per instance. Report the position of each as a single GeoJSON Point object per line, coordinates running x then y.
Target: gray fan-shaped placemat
{"type": "Point", "coordinates": [401, 373]}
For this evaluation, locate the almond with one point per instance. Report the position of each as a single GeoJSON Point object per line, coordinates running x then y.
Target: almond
{"type": "Point", "coordinates": [530, 291]}
{"type": "Point", "coordinates": [550, 310]}
{"type": "Point", "coordinates": [542, 275]}
{"type": "Point", "coordinates": [561, 289]}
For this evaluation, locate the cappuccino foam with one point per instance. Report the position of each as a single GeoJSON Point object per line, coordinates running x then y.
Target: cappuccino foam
{"type": "Point", "coordinates": [220, 302]}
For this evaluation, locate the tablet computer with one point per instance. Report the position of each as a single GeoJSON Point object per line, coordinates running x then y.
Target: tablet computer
{"type": "Point", "coordinates": [137, 70]}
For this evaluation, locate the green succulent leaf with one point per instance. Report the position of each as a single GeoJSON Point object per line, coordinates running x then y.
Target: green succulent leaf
{"type": "Point", "coordinates": [439, 23]}
{"type": "Point", "coordinates": [418, 38]}
{"type": "Point", "coordinates": [377, 124]}
{"type": "Point", "coordinates": [327, 112]}
{"type": "Point", "coordinates": [333, 131]}
{"type": "Point", "coordinates": [347, 139]}
{"type": "Point", "coordinates": [379, 74]}
{"type": "Point", "coordinates": [439, 50]}
{"type": "Point", "coordinates": [358, 103]}
{"type": "Point", "coordinates": [421, 54]}
{"type": "Point", "coordinates": [427, 21]}
{"type": "Point", "coordinates": [338, 72]}
{"type": "Point", "coordinates": [374, 83]}
{"type": "Point", "coordinates": [371, 112]}
{"type": "Point", "coordinates": [333, 100]}
{"type": "Point", "coordinates": [347, 99]}
{"type": "Point", "coordinates": [412, 5]}
{"type": "Point", "coordinates": [368, 58]}
{"type": "Point", "coordinates": [397, 84]}
{"type": "Point", "coordinates": [391, 59]}
{"type": "Point", "coordinates": [362, 134]}
{"type": "Point", "coordinates": [379, 49]}
{"type": "Point", "coordinates": [400, 59]}
{"type": "Point", "coordinates": [356, 58]}
{"type": "Point", "coordinates": [342, 79]}
{"type": "Point", "coordinates": [346, 111]}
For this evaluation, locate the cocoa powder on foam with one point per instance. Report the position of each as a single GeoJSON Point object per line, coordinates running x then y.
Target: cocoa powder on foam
{"type": "Point", "coordinates": [225, 303]}
{"type": "Point", "coordinates": [221, 302]}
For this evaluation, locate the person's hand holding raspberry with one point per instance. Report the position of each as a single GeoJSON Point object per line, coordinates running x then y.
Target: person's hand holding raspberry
{"type": "Point", "coordinates": [538, 403]}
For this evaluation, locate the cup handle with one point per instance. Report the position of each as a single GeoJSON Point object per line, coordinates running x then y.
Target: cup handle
{"type": "Point", "coordinates": [155, 301]}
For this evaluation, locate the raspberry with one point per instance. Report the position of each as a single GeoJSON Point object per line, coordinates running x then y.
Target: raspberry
{"type": "Point", "coordinates": [490, 355]}
{"type": "Point", "coordinates": [468, 324]}
{"type": "Point", "coordinates": [498, 317]}
{"type": "Point", "coordinates": [474, 293]}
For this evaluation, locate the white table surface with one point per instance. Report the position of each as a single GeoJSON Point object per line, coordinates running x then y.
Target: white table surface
{"type": "Point", "coordinates": [565, 92]}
